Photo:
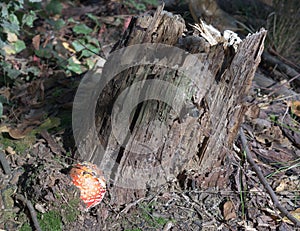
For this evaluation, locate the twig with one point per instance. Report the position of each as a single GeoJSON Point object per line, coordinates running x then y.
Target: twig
{"type": "Point", "coordinates": [264, 181]}
{"type": "Point", "coordinates": [31, 211]}
{"type": "Point", "coordinates": [273, 61]}
{"type": "Point", "coordinates": [4, 163]}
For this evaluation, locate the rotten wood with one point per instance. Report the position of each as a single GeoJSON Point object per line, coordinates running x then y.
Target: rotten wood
{"type": "Point", "coordinates": [201, 136]}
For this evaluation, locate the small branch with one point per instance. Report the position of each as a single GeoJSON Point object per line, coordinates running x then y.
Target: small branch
{"type": "Point", "coordinates": [264, 181]}
{"type": "Point", "coordinates": [31, 211]}
{"type": "Point", "coordinates": [273, 61]}
{"type": "Point", "coordinates": [4, 163]}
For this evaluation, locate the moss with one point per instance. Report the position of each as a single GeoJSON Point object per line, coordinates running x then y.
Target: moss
{"type": "Point", "coordinates": [70, 211]}
{"type": "Point", "coordinates": [20, 146]}
{"type": "Point", "coordinates": [26, 227]}
{"type": "Point", "coordinates": [153, 221]}
{"type": "Point", "coordinates": [50, 221]}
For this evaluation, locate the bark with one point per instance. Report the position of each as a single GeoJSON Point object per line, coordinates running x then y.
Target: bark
{"type": "Point", "coordinates": [198, 134]}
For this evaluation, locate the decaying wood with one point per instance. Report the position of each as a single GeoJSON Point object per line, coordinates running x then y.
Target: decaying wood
{"type": "Point", "coordinates": [202, 135]}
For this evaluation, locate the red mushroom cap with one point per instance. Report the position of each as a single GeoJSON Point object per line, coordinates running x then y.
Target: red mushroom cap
{"type": "Point", "coordinates": [90, 181]}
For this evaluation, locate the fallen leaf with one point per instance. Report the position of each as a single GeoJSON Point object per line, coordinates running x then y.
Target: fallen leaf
{"type": "Point", "coordinates": [288, 184]}
{"type": "Point", "coordinates": [10, 150]}
{"type": "Point", "coordinates": [12, 37]}
{"type": "Point", "coordinates": [68, 47]}
{"type": "Point", "coordinates": [229, 210]}
{"type": "Point", "coordinates": [36, 41]}
{"type": "Point", "coordinates": [18, 134]}
{"type": "Point", "coordinates": [9, 50]}
{"type": "Point", "coordinates": [295, 107]}
{"type": "Point", "coordinates": [295, 213]}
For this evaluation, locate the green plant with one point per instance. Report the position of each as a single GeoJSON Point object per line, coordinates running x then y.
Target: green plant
{"type": "Point", "coordinates": [141, 5]}
{"type": "Point", "coordinates": [153, 221]}
{"type": "Point", "coordinates": [50, 221]}
{"type": "Point", "coordinates": [74, 54]}
{"type": "Point", "coordinates": [26, 227]}
{"type": "Point", "coordinates": [283, 27]}
{"type": "Point", "coordinates": [13, 19]}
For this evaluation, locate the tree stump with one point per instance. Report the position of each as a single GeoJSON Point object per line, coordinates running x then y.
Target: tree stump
{"type": "Point", "coordinates": [167, 103]}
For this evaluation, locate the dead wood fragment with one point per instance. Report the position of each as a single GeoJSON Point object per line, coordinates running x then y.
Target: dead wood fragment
{"type": "Point", "coordinates": [4, 163]}
{"type": "Point", "coordinates": [272, 87]}
{"type": "Point", "coordinates": [198, 136]}
{"type": "Point", "coordinates": [288, 70]}
{"type": "Point", "coordinates": [31, 211]}
{"type": "Point", "coordinates": [264, 182]}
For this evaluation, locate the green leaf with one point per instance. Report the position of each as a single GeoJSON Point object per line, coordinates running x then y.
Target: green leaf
{"type": "Point", "coordinates": [4, 11]}
{"type": "Point", "coordinates": [8, 69]}
{"type": "Point", "coordinates": [75, 67]}
{"type": "Point", "coordinates": [44, 53]}
{"type": "Point", "coordinates": [78, 46]}
{"type": "Point", "coordinates": [93, 48]}
{"type": "Point", "coordinates": [94, 18]}
{"type": "Point", "coordinates": [34, 70]}
{"type": "Point", "coordinates": [90, 50]}
{"type": "Point", "coordinates": [90, 63]}
{"type": "Point", "coordinates": [13, 19]}
{"type": "Point", "coordinates": [82, 29]}
{"type": "Point", "coordinates": [19, 46]}
{"type": "Point", "coordinates": [28, 19]}
{"type": "Point", "coordinates": [54, 7]}
{"type": "Point", "coordinates": [11, 27]}
{"type": "Point", "coordinates": [58, 24]}
{"type": "Point", "coordinates": [3, 99]}
{"type": "Point", "coordinates": [86, 53]}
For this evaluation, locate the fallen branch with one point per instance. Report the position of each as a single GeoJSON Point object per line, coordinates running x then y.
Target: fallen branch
{"type": "Point", "coordinates": [31, 211]}
{"type": "Point", "coordinates": [275, 62]}
{"type": "Point", "coordinates": [264, 182]}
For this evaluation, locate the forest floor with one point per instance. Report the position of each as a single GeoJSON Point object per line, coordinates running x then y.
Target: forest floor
{"type": "Point", "coordinates": [37, 146]}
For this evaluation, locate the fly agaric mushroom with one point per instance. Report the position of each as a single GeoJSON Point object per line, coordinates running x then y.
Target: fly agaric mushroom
{"type": "Point", "coordinates": [90, 181]}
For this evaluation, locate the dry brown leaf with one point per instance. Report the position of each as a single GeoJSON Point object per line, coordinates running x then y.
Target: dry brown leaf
{"type": "Point", "coordinates": [229, 210]}
{"type": "Point", "coordinates": [295, 213]}
{"type": "Point", "coordinates": [36, 41]}
{"type": "Point", "coordinates": [288, 184]}
{"type": "Point", "coordinates": [295, 107]}
{"type": "Point", "coordinates": [19, 133]}
{"type": "Point", "coordinates": [4, 129]}
{"type": "Point", "coordinates": [10, 150]}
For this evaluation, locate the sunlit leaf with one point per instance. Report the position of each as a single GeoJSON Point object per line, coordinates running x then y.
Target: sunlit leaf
{"type": "Point", "coordinates": [90, 63]}
{"type": "Point", "coordinates": [13, 19]}
{"type": "Point", "coordinates": [9, 50]}
{"type": "Point", "coordinates": [19, 46]}
{"type": "Point", "coordinates": [12, 37]}
{"type": "Point", "coordinates": [75, 66]}
{"type": "Point", "coordinates": [29, 18]}
{"type": "Point", "coordinates": [67, 46]}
